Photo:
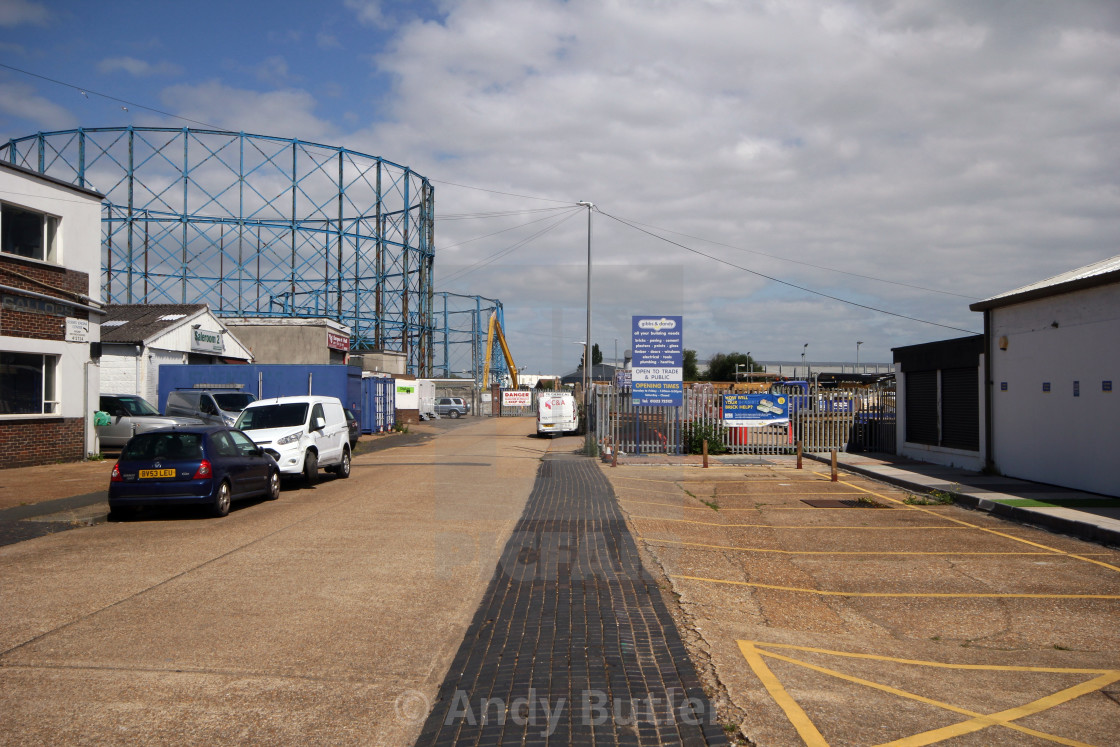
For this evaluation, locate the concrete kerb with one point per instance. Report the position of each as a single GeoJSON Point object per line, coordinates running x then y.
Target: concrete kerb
{"type": "Point", "coordinates": [1084, 530]}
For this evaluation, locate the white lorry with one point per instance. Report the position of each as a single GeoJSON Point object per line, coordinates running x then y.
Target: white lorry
{"type": "Point", "coordinates": [557, 413]}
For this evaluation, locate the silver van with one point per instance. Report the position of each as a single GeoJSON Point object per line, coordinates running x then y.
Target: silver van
{"type": "Point", "coordinates": [216, 406]}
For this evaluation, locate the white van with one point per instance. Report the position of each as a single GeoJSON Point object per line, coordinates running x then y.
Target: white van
{"type": "Point", "coordinates": [557, 413]}
{"type": "Point", "coordinates": [300, 433]}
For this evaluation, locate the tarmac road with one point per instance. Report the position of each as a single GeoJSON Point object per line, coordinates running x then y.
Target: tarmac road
{"type": "Point", "coordinates": [328, 616]}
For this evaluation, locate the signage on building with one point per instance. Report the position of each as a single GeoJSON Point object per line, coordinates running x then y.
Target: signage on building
{"type": "Point", "coordinates": [336, 341]}
{"type": "Point", "coordinates": [35, 305]}
{"type": "Point", "coordinates": [657, 371]}
{"type": "Point", "coordinates": [205, 341]}
{"type": "Point", "coordinates": [755, 410]}
{"type": "Point", "coordinates": [77, 330]}
{"type": "Point", "coordinates": [517, 398]}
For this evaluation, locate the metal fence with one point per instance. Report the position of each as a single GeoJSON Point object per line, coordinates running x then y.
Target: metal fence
{"type": "Point", "coordinates": [497, 408]}
{"type": "Point", "coordinates": [821, 420]}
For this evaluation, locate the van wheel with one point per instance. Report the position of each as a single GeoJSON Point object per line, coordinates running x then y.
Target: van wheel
{"type": "Point", "coordinates": [221, 500]}
{"type": "Point", "coordinates": [343, 468]}
{"type": "Point", "coordinates": [310, 467]}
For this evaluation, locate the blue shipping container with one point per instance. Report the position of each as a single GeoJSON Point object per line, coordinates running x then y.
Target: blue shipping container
{"type": "Point", "coordinates": [379, 403]}
{"type": "Point", "coordinates": [269, 380]}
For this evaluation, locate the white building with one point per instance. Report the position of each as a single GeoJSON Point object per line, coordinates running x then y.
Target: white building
{"type": "Point", "coordinates": [139, 338]}
{"type": "Point", "coordinates": [50, 265]}
{"type": "Point", "coordinates": [1053, 363]}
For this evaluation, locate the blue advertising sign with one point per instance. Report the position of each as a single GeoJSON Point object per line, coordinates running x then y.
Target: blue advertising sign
{"type": "Point", "coordinates": [755, 410]}
{"type": "Point", "coordinates": [657, 368]}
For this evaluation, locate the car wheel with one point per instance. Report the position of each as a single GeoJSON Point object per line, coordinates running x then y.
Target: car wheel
{"type": "Point", "coordinates": [273, 486]}
{"type": "Point", "coordinates": [454, 414]}
{"type": "Point", "coordinates": [310, 467]}
{"type": "Point", "coordinates": [343, 469]}
{"type": "Point", "coordinates": [221, 500]}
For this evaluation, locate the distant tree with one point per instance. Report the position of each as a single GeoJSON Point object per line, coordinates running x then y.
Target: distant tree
{"type": "Point", "coordinates": [596, 356]}
{"type": "Point", "coordinates": [721, 366]}
{"type": "Point", "coordinates": [691, 370]}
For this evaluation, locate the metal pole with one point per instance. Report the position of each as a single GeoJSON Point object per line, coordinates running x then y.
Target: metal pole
{"type": "Point", "coordinates": [587, 355]}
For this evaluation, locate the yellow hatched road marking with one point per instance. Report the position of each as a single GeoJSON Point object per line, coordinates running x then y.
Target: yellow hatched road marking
{"type": "Point", "coordinates": [689, 521]}
{"type": "Point", "coordinates": [898, 594]}
{"type": "Point", "coordinates": [753, 651]}
{"type": "Point", "coordinates": [985, 529]}
{"type": "Point", "coordinates": [648, 540]}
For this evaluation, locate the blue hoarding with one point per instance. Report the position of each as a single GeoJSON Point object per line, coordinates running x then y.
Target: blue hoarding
{"type": "Point", "coordinates": [656, 374]}
{"type": "Point", "coordinates": [755, 410]}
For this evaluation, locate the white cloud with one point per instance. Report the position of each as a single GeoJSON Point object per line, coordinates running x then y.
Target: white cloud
{"type": "Point", "coordinates": [20, 12]}
{"type": "Point", "coordinates": [368, 12]}
{"type": "Point", "coordinates": [944, 145]}
{"type": "Point", "coordinates": [21, 101]}
{"type": "Point", "coordinates": [136, 67]}
{"type": "Point", "coordinates": [285, 113]}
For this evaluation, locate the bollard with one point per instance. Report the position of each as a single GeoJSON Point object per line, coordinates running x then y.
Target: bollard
{"type": "Point", "coordinates": [614, 454]}
{"type": "Point", "coordinates": [705, 453]}
{"type": "Point", "coordinates": [799, 455]}
{"type": "Point", "coordinates": [834, 476]}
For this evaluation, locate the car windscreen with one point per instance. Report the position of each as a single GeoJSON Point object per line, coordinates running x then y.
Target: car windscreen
{"type": "Point", "coordinates": [137, 406]}
{"type": "Point", "coordinates": [233, 401]}
{"type": "Point", "coordinates": [289, 415]}
{"type": "Point", "coordinates": [163, 445]}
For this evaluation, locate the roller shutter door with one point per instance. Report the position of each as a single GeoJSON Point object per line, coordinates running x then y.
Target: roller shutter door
{"type": "Point", "coordinates": [921, 407]}
{"type": "Point", "coordinates": [960, 409]}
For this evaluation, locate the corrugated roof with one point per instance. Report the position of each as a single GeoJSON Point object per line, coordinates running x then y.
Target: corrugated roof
{"type": "Point", "coordinates": [143, 321]}
{"type": "Point", "coordinates": [1099, 273]}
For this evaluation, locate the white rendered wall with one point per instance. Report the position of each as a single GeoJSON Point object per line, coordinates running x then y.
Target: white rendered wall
{"type": "Point", "coordinates": [1055, 437]}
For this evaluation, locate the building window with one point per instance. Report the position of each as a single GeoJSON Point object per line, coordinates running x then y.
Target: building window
{"type": "Point", "coordinates": [27, 233]}
{"type": "Point", "coordinates": [27, 384]}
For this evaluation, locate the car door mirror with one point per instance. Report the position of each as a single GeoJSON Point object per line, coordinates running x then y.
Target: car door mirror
{"type": "Point", "coordinates": [319, 424]}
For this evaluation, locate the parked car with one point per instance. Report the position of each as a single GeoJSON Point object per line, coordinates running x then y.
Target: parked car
{"type": "Point", "coordinates": [217, 406]}
{"type": "Point", "coordinates": [130, 414]}
{"type": "Point", "coordinates": [301, 433]}
{"type": "Point", "coordinates": [353, 428]}
{"type": "Point", "coordinates": [204, 465]}
{"type": "Point", "coordinates": [453, 407]}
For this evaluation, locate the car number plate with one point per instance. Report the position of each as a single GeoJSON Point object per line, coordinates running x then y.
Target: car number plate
{"type": "Point", "coordinates": [147, 474]}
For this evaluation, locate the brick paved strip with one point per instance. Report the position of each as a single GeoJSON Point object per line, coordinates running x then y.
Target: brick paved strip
{"type": "Point", "coordinates": [572, 643]}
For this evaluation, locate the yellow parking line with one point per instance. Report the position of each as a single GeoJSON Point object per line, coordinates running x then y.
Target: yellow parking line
{"type": "Point", "coordinates": [767, 507]}
{"type": "Point", "coordinates": [934, 664]}
{"type": "Point", "coordinates": [985, 529]}
{"type": "Point", "coordinates": [905, 594]}
{"type": "Point", "coordinates": [800, 720]}
{"type": "Point", "coordinates": [689, 521]}
{"type": "Point", "coordinates": [831, 552]}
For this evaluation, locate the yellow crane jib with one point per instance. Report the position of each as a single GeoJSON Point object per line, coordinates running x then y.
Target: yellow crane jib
{"type": "Point", "coordinates": [495, 330]}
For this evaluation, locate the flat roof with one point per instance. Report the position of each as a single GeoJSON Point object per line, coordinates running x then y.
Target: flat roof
{"type": "Point", "coordinates": [52, 180]}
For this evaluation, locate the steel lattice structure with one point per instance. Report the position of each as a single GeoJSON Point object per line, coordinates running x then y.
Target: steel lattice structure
{"type": "Point", "coordinates": [263, 226]}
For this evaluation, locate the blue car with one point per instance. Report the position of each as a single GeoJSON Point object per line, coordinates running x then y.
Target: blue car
{"type": "Point", "coordinates": [207, 465]}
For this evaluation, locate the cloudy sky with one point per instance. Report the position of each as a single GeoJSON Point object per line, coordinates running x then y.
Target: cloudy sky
{"type": "Point", "coordinates": [906, 156]}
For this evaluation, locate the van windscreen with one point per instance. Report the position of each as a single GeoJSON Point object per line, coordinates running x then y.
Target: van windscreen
{"type": "Point", "coordinates": [289, 415]}
{"type": "Point", "coordinates": [233, 401]}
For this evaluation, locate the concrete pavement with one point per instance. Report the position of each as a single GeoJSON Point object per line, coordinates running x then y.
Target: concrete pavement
{"type": "Point", "coordinates": [328, 616]}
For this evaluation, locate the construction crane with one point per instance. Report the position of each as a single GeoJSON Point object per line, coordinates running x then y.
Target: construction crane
{"type": "Point", "coordinates": [495, 330]}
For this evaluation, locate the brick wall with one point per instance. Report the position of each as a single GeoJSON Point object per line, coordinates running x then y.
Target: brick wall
{"type": "Point", "coordinates": [41, 441]}
{"type": "Point", "coordinates": [18, 273]}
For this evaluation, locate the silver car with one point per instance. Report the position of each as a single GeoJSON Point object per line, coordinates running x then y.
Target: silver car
{"type": "Point", "coordinates": [452, 407]}
{"type": "Point", "coordinates": [130, 414]}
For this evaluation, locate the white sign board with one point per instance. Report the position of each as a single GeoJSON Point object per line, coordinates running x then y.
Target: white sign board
{"type": "Point", "coordinates": [205, 341]}
{"type": "Point", "coordinates": [517, 398]}
{"type": "Point", "coordinates": [77, 330]}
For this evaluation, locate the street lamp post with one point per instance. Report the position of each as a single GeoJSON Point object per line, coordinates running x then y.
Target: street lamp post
{"type": "Point", "coordinates": [750, 368]}
{"type": "Point", "coordinates": [589, 441]}
{"type": "Point", "coordinates": [858, 343]}
{"type": "Point", "coordinates": [803, 349]}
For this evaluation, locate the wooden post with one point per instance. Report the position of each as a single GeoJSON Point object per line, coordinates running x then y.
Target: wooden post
{"type": "Point", "coordinates": [614, 453]}
{"type": "Point", "coordinates": [705, 447]}
{"type": "Point", "coordinates": [799, 455]}
{"type": "Point", "coordinates": [834, 475]}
